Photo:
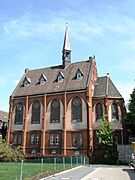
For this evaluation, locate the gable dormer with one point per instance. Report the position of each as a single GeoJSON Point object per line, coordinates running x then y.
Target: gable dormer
{"type": "Point", "coordinates": [26, 81]}
{"type": "Point", "coordinates": [60, 77]}
{"type": "Point", "coordinates": [42, 79]}
{"type": "Point", "coordinates": [79, 74]}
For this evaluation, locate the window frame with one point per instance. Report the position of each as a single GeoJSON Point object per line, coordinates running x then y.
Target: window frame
{"type": "Point", "coordinates": [55, 112]}
{"type": "Point", "coordinates": [115, 117]}
{"type": "Point", "coordinates": [73, 110]}
{"type": "Point", "coordinates": [19, 114]}
{"type": "Point", "coordinates": [54, 139]}
{"type": "Point", "coordinates": [77, 139]}
{"type": "Point", "coordinates": [33, 138]}
{"type": "Point", "coordinates": [34, 115]}
{"type": "Point", "coordinates": [17, 139]}
{"type": "Point", "coordinates": [96, 110]}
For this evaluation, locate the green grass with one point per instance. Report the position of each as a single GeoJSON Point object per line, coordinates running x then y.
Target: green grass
{"type": "Point", "coordinates": [11, 171]}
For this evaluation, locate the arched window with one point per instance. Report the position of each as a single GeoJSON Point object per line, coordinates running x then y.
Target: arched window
{"type": "Point", "coordinates": [77, 109]}
{"type": "Point", "coordinates": [19, 113]}
{"type": "Point", "coordinates": [55, 111]}
{"type": "Point", "coordinates": [36, 112]}
{"type": "Point", "coordinates": [115, 115]}
{"type": "Point", "coordinates": [99, 111]}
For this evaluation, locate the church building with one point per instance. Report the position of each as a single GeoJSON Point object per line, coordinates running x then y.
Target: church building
{"type": "Point", "coordinates": [56, 111]}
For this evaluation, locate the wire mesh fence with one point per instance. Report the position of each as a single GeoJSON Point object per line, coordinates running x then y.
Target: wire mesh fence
{"type": "Point", "coordinates": [26, 169]}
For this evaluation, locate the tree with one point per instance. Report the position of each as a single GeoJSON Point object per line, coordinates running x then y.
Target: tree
{"type": "Point", "coordinates": [105, 136]}
{"type": "Point", "coordinates": [10, 154]}
{"type": "Point", "coordinates": [130, 116]}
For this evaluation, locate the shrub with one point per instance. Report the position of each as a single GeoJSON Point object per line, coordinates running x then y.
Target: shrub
{"type": "Point", "coordinates": [7, 153]}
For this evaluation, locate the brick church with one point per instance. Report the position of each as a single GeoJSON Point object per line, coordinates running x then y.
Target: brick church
{"type": "Point", "coordinates": [56, 110]}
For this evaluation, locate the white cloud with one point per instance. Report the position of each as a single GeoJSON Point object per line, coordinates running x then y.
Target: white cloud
{"type": "Point", "coordinates": [125, 88]}
{"type": "Point", "coordinates": [16, 81]}
{"type": "Point", "coordinates": [127, 65]}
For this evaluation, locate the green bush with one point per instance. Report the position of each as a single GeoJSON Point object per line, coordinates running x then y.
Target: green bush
{"type": "Point", "coordinates": [8, 154]}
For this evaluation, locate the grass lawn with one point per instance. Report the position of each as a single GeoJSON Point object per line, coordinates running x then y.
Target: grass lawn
{"type": "Point", "coordinates": [11, 171]}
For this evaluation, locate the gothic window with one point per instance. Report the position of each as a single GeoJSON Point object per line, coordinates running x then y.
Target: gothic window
{"type": "Point", "coordinates": [99, 111]}
{"type": "Point", "coordinates": [55, 111]}
{"type": "Point", "coordinates": [76, 109]}
{"type": "Point", "coordinates": [34, 138]}
{"type": "Point", "coordinates": [115, 115]}
{"type": "Point", "coordinates": [54, 139]}
{"type": "Point", "coordinates": [17, 139]}
{"type": "Point", "coordinates": [19, 114]}
{"type": "Point", "coordinates": [76, 139]}
{"type": "Point", "coordinates": [36, 112]}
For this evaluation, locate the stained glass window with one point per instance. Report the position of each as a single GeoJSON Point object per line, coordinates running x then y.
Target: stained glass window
{"type": "Point", "coordinates": [99, 111]}
{"type": "Point", "coordinates": [36, 112]}
{"type": "Point", "coordinates": [55, 111]}
{"type": "Point", "coordinates": [76, 109]}
{"type": "Point", "coordinates": [19, 114]}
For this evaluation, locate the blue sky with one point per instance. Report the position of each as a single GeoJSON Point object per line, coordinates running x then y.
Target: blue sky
{"type": "Point", "coordinates": [32, 33]}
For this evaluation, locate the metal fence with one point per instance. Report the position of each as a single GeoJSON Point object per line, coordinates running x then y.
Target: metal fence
{"type": "Point", "coordinates": [26, 169]}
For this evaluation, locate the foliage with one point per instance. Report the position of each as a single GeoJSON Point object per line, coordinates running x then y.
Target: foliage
{"type": "Point", "coordinates": [105, 136]}
{"type": "Point", "coordinates": [130, 116]}
{"type": "Point", "coordinates": [10, 154]}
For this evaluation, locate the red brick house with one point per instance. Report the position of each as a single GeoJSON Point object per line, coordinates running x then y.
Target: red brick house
{"type": "Point", "coordinates": [56, 110]}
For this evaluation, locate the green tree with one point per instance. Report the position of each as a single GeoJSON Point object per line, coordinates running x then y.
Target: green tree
{"type": "Point", "coordinates": [7, 153]}
{"type": "Point", "coordinates": [130, 116]}
{"type": "Point", "coordinates": [105, 136]}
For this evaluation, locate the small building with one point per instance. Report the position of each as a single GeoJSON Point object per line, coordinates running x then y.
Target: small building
{"type": "Point", "coordinates": [56, 110]}
{"type": "Point", "coordinates": [3, 124]}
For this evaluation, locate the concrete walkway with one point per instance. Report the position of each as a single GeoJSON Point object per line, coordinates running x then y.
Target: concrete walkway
{"type": "Point", "coordinates": [99, 172]}
{"type": "Point", "coordinates": [74, 174]}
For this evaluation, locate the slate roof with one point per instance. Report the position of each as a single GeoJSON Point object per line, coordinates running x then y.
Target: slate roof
{"type": "Point", "coordinates": [51, 85]}
{"type": "Point", "coordinates": [102, 88]}
{"type": "Point", "coordinates": [3, 116]}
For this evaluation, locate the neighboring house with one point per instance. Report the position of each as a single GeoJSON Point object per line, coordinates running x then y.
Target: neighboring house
{"type": "Point", "coordinates": [3, 124]}
{"type": "Point", "coordinates": [56, 110]}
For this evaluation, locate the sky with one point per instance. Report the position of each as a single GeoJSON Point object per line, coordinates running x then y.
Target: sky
{"type": "Point", "coordinates": [32, 35]}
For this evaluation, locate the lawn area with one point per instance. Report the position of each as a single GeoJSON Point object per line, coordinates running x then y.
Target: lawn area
{"type": "Point", "coordinates": [11, 171]}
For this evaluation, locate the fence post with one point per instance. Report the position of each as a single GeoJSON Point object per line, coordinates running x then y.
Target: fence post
{"type": "Point", "coordinates": [71, 161]}
{"type": "Point", "coordinates": [54, 164]}
{"type": "Point", "coordinates": [77, 160]}
{"type": "Point", "coordinates": [21, 170]}
{"type": "Point", "coordinates": [42, 161]}
{"type": "Point", "coordinates": [81, 160]}
{"type": "Point", "coordinates": [84, 161]}
{"type": "Point", "coordinates": [64, 163]}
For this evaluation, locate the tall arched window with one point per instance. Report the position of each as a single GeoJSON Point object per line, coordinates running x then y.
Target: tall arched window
{"type": "Point", "coordinates": [115, 115]}
{"type": "Point", "coordinates": [99, 111]}
{"type": "Point", "coordinates": [55, 111]}
{"type": "Point", "coordinates": [36, 112]}
{"type": "Point", "coordinates": [77, 109]}
{"type": "Point", "coordinates": [19, 113]}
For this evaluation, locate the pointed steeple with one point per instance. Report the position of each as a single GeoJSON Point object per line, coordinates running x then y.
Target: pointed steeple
{"type": "Point", "coordinates": [66, 52]}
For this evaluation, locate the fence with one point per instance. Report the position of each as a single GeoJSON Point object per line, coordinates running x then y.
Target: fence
{"type": "Point", "coordinates": [26, 169]}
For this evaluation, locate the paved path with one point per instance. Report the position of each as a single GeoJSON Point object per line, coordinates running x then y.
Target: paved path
{"type": "Point", "coordinates": [114, 173]}
{"type": "Point", "coordinates": [96, 173]}
{"type": "Point", "coordinates": [74, 174]}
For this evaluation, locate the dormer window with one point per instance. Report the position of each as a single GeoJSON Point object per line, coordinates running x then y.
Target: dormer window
{"type": "Point", "coordinates": [60, 77]}
{"type": "Point", "coordinates": [42, 79]}
{"type": "Point", "coordinates": [79, 74]}
{"type": "Point", "coordinates": [26, 82]}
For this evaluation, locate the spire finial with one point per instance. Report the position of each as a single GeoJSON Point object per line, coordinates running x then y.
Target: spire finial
{"type": "Point", "coordinates": [66, 52]}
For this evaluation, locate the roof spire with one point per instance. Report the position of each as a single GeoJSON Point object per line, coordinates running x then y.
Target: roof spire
{"type": "Point", "coordinates": [66, 52]}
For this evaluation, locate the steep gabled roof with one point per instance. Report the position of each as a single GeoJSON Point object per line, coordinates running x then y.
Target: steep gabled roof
{"type": "Point", "coordinates": [3, 116]}
{"type": "Point", "coordinates": [104, 87]}
{"type": "Point", "coordinates": [51, 86]}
